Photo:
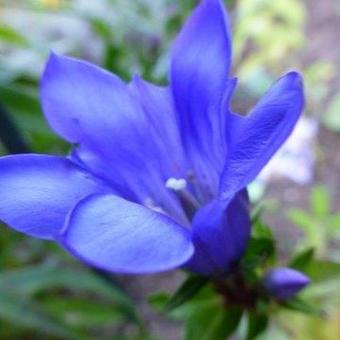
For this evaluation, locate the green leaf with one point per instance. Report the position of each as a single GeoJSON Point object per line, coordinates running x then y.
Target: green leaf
{"type": "Point", "coordinates": [102, 28]}
{"type": "Point", "coordinates": [102, 303]}
{"type": "Point", "coordinates": [319, 200]}
{"type": "Point", "coordinates": [302, 259]}
{"type": "Point", "coordinates": [259, 250]}
{"type": "Point", "coordinates": [301, 218]}
{"type": "Point", "coordinates": [212, 321]}
{"type": "Point", "coordinates": [21, 101]}
{"type": "Point", "coordinates": [256, 212]}
{"type": "Point", "coordinates": [81, 313]}
{"type": "Point", "coordinates": [30, 280]}
{"type": "Point", "coordinates": [261, 230]}
{"type": "Point", "coordinates": [207, 295]}
{"type": "Point", "coordinates": [11, 36]}
{"type": "Point", "coordinates": [257, 324]}
{"type": "Point", "coordinates": [191, 286]}
{"type": "Point", "coordinates": [302, 306]}
{"type": "Point", "coordinates": [319, 270]}
{"type": "Point", "coordinates": [159, 300]}
{"type": "Point", "coordinates": [18, 310]}
{"type": "Point", "coordinates": [333, 222]}
{"type": "Point", "coordinates": [21, 98]}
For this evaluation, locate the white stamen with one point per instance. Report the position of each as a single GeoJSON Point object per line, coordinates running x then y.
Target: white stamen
{"type": "Point", "coordinates": [176, 184]}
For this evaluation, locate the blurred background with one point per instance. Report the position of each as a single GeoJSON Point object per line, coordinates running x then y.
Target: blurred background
{"type": "Point", "coordinates": [46, 294]}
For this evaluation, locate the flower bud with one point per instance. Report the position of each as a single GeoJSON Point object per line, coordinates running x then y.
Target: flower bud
{"type": "Point", "coordinates": [284, 283]}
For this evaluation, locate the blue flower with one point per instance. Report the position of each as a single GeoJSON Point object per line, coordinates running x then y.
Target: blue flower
{"type": "Point", "coordinates": [283, 283]}
{"type": "Point", "coordinates": [157, 176]}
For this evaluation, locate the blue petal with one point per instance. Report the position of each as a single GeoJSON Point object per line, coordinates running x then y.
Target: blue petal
{"type": "Point", "coordinates": [79, 99]}
{"type": "Point", "coordinates": [220, 234]}
{"type": "Point", "coordinates": [118, 141]}
{"type": "Point", "coordinates": [116, 235]}
{"type": "Point", "coordinates": [37, 192]}
{"type": "Point", "coordinates": [158, 106]}
{"type": "Point", "coordinates": [199, 78]}
{"type": "Point", "coordinates": [284, 283]}
{"type": "Point", "coordinates": [255, 138]}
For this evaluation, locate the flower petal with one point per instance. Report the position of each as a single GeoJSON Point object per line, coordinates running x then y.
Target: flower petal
{"type": "Point", "coordinates": [220, 234]}
{"type": "Point", "coordinates": [255, 138]}
{"type": "Point", "coordinates": [120, 236]}
{"type": "Point", "coordinates": [158, 106]}
{"type": "Point", "coordinates": [94, 108]}
{"type": "Point", "coordinates": [37, 192]}
{"type": "Point", "coordinates": [200, 63]}
{"type": "Point", "coordinates": [200, 66]}
{"type": "Point", "coordinates": [80, 100]}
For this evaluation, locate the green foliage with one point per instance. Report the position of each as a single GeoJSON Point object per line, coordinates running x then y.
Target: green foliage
{"type": "Point", "coordinates": [261, 247]}
{"type": "Point", "coordinates": [302, 259]}
{"type": "Point", "coordinates": [205, 315]}
{"type": "Point", "coordinates": [191, 286]}
{"type": "Point", "coordinates": [321, 270]}
{"type": "Point", "coordinates": [299, 305]}
{"type": "Point", "coordinates": [319, 224]}
{"type": "Point", "coordinates": [266, 33]}
{"type": "Point", "coordinates": [31, 280]}
{"type": "Point", "coordinates": [24, 312]}
{"type": "Point", "coordinates": [212, 321]}
{"type": "Point", "coordinates": [80, 302]}
{"type": "Point", "coordinates": [21, 101]}
{"type": "Point", "coordinates": [12, 36]}
{"type": "Point", "coordinates": [257, 323]}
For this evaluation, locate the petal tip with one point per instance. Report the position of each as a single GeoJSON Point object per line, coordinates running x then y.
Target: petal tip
{"type": "Point", "coordinates": [296, 78]}
{"type": "Point", "coordinates": [52, 60]}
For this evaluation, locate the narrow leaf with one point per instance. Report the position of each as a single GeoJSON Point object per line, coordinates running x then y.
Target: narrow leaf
{"type": "Point", "coordinates": [319, 200]}
{"type": "Point", "coordinates": [299, 305]}
{"type": "Point", "coordinates": [15, 309]}
{"type": "Point", "coordinates": [301, 219]}
{"type": "Point", "coordinates": [257, 324]}
{"type": "Point", "coordinates": [319, 270]}
{"type": "Point", "coordinates": [186, 291]}
{"type": "Point", "coordinates": [211, 322]}
{"type": "Point", "coordinates": [302, 259]}
{"type": "Point", "coordinates": [33, 279]}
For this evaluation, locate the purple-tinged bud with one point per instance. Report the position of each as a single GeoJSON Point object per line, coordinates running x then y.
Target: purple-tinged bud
{"type": "Point", "coordinates": [284, 283]}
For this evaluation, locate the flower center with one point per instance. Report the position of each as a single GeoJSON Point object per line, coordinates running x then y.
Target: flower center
{"type": "Point", "coordinates": [180, 187]}
{"type": "Point", "coordinates": [176, 184]}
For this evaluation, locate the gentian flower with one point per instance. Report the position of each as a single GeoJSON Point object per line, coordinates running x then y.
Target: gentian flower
{"type": "Point", "coordinates": [283, 283]}
{"type": "Point", "coordinates": [157, 176]}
